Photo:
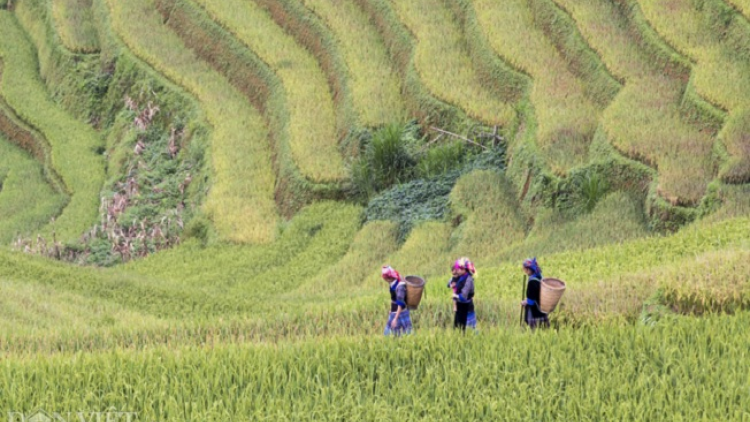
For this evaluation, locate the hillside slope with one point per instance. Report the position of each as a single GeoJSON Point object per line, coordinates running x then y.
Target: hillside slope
{"type": "Point", "coordinates": [196, 198]}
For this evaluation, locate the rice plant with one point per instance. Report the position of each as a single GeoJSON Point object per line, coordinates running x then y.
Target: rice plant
{"type": "Point", "coordinates": [352, 378]}
{"type": "Point", "coordinates": [743, 5]}
{"type": "Point", "coordinates": [721, 71]}
{"type": "Point", "coordinates": [282, 319]}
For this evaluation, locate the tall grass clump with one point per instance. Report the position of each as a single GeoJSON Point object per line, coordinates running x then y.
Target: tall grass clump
{"type": "Point", "coordinates": [73, 144]}
{"type": "Point", "coordinates": [312, 116]}
{"type": "Point", "coordinates": [240, 202]}
{"type": "Point", "coordinates": [444, 65]}
{"type": "Point", "coordinates": [441, 159]}
{"type": "Point", "coordinates": [593, 187]}
{"type": "Point", "coordinates": [385, 158]}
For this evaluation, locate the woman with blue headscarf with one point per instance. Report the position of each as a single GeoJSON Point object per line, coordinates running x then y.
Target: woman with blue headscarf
{"type": "Point", "coordinates": [534, 316]}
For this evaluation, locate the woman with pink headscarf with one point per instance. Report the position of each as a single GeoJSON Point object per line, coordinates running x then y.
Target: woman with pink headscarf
{"type": "Point", "coordinates": [399, 320]}
{"type": "Point", "coordinates": [462, 284]}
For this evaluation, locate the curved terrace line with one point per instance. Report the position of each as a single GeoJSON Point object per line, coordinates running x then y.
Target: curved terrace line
{"type": "Point", "coordinates": [312, 117]}
{"type": "Point", "coordinates": [241, 201]}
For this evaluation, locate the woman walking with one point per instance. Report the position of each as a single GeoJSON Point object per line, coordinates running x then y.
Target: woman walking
{"type": "Point", "coordinates": [399, 320]}
{"type": "Point", "coordinates": [534, 316]}
{"type": "Point", "coordinates": [462, 284]}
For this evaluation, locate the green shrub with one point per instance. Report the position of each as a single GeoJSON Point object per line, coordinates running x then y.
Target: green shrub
{"type": "Point", "coordinates": [441, 159]}
{"type": "Point", "coordinates": [385, 158]}
{"type": "Point", "coordinates": [388, 154]}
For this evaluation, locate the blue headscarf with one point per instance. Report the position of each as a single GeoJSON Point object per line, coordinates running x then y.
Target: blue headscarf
{"type": "Point", "coordinates": [536, 271]}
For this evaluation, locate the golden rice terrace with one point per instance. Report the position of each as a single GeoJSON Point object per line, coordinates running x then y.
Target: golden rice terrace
{"type": "Point", "coordinates": [197, 198]}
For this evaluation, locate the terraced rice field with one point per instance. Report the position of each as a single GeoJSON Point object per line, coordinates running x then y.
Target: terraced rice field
{"type": "Point", "coordinates": [74, 21]}
{"type": "Point", "coordinates": [27, 200]}
{"type": "Point", "coordinates": [375, 84]}
{"type": "Point", "coordinates": [73, 143]}
{"type": "Point", "coordinates": [619, 118]}
{"type": "Point", "coordinates": [566, 117]}
{"type": "Point", "coordinates": [721, 71]}
{"type": "Point", "coordinates": [241, 201]}
{"type": "Point", "coordinates": [645, 121]}
{"type": "Point", "coordinates": [443, 63]}
{"type": "Point", "coordinates": [312, 116]}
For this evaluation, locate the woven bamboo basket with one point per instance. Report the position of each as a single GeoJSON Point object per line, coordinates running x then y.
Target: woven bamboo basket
{"type": "Point", "coordinates": [414, 289]}
{"type": "Point", "coordinates": [550, 294]}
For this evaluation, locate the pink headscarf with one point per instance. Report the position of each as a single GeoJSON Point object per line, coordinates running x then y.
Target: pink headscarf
{"type": "Point", "coordinates": [465, 264]}
{"type": "Point", "coordinates": [389, 272]}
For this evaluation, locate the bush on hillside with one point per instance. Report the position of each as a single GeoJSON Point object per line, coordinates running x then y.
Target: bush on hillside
{"type": "Point", "coordinates": [441, 159]}
{"type": "Point", "coordinates": [427, 198]}
{"type": "Point", "coordinates": [397, 153]}
{"type": "Point", "coordinates": [385, 158]}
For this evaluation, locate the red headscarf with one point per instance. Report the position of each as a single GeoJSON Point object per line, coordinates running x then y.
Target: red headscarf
{"type": "Point", "coordinates": [389, 272]}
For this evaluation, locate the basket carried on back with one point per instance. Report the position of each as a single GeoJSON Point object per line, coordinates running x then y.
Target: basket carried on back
{"type": "Point", "coordinates": [414, 289]}
{"type": "Point", "coordinates": [551, 291]}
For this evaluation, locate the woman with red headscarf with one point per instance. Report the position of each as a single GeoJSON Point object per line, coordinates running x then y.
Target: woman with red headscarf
{"type": "Point", "coordinates": [399, 320]}
{"type": "Point", "coordinates": [463, 294]}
